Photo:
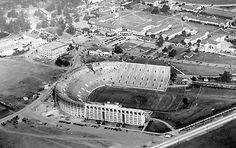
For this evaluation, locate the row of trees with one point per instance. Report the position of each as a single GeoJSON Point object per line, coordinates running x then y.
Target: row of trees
{"type": "Point", "coordinates": [20, 24]}
{"type": "Point", "coordinates": [163, 9]}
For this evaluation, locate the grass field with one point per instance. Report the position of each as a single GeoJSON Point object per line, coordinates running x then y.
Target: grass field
{"type": "Point", "coordinates": [25, 136]}
{"type": "Point", "coordinates": [209, 2]}
{"type": "Point", "coordinates": [19, 78]}
{"type": "Point", "coordinates": [224, 137]}
{"type": "Point", "coordinates": [169, 105]}
{"type": "Point", "coordinates": [214, 58]}
{"type": "Point", "coordinates": [193, 69]}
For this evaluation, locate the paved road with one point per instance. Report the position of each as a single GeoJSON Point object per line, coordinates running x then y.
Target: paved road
{"type": "Point", "coordinates": [197, 132]}
{"type": "Point", "coordinates": [28, 107]}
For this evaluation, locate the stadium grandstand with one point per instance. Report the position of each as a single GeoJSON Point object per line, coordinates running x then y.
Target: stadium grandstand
{"type": "Point", "coordinates": [73, 94]}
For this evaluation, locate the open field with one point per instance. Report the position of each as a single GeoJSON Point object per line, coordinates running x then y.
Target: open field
{"type": "Point", "coordinates": [193, 69]}
{"type": "Point", "coordinates": [24, 135]}
{"type": "Point", "coordinates": [209, 2]}
{"type": "Point", "coordinates": [224, 137]}
{"type": "Point", "coordinates": [19, 78]}
{"type": "Point", "coordinates": [214, 58]}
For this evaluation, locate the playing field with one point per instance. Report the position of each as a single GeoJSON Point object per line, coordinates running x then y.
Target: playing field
{"type": "Point", "coordinates": [209, 2]}
{"type": "Point", "coordinates": [169, 105]}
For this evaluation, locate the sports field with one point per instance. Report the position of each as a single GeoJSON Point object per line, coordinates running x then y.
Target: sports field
{"type": "Point", "coordinates": [170, 106]}
{"type": "Point", "coordinates": [209, 2]}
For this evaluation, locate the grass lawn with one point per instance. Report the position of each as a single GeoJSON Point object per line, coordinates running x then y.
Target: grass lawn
{"type": "Point", "coordinates": [202, 27]}
{"type": "Point", "coordinates": [214, 58]}
{"type": "Point", "coordinates": [224, 137]}
{"type": "Point", "coordinates": [19, 78]}
{"type": "Point", "coordinates": [193, 69]}
{"type": "Point", "coordinates": [209, 2]}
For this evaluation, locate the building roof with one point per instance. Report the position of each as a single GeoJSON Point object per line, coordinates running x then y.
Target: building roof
{"type": "Point", "coordinates": [190, 7]}
{"type": "Point", "coordinates": [206, 19]}
{"type": "Point", "coordinates": [107, 25]}
{"type": "Point", "coordinates": [196, 36]}
{"type": "Point", "coordinates": [140, 28]}
{"type": "Point", "coordinates": [173, 31]}
{"type": "Point", "coordinates": [227, 14]}
{"type": "Point", "coordinates": [150, 1]}
{"type": "Point", "coordinates": [158, 28]}
{"type": "Point", "coordinates": [52, 46]}
{"type": "Point", "coordinates": [106, 17]}
{"type": "Point", "coordinates": [44, 11]}
{"type": "Point", "coordinates": [210, 41]}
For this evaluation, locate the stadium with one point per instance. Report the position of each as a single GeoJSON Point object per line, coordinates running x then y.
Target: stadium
{"type": "Point", "coordinates": [79, 93]}
{"type": "Point", "coordinates": [134, 94]}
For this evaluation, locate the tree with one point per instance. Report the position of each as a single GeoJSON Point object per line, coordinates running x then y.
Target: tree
{"type": "Point", "coordinates": [194, 78]}
{"type": "Point", "coordinates": [12, 14]}
{"type": "Point", "coordinates": [117, 50]}
{"type": "Point", "coordinates": [59, 31]}
{"type": "Point", "coordinates": [51, 7]}
{"type": "Point", "coordinates": [173, 76]}
{"type": "Point", "coordinates": [59, 10]}
{"type": "Point", "coordinates": [189, 44]}
{"type": "Point", "coordinates": [44, 23]}
{"type": "Point", "coordinates": [198, 42]}
{"type": "Point", "coordinates": [155, 10]}
{"type": "Point", "coordinates": [165, 49]}
{"type": "Point", "coordinates": [53, 23]}
{"type": "Point", "coordinates": [71, 29]}
{"type": "Point", "coordinates": [184, 33]}
{"type": "Point", "coordinates": [152, 36]}
{"type": "Point", "coordinates": [172, 53]}
{"type": "Point", "coordinates": [160, 41]}
{"type": "Point", "coordinates": [226, 77]}
{"type": "Point", "coordinates": [170, 47]}
{"type": "Point", "coordinates": [165, 8]}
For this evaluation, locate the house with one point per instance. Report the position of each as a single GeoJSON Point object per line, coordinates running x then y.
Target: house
{"type": "Point", "coordinates": [172, 32]}
{"type": "Point", "coordinates": [45, 13]}
{"type": "Point", "coordinates": [141, 30]}
{"type": "Point", "coordinates": [209, 45]}
{"type": "Point", "coordinates": [188, 55]}
{"type": "Point", "coordinates": [190, 8]}
{"type": "Point", "coordinates": [99, 53]}
{"type": "Point", "coordinates": [194, 38]}
{"type": "Point", "coordinates": [152, 2]}
{"type": "Point", "coordinates": [105, 27]}
{"type": "Point", "coordinates": [159, 29]}
{"type": "Point", "coordinates": [206, 20]}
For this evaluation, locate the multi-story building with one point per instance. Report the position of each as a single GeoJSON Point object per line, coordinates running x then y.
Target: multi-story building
{"type": "Point", "coordinates": [206, 20]}
{"type": "Point", "coordinates": [52, 50]}
{"type": "Point", "coordinates": [115, 113]}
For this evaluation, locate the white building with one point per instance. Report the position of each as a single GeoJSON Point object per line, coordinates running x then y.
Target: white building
{"type": "Point", "coordinates": [159, 29]}
{"type": "Point", "coordinates": [194, 38]}
{"type": "Point", "coordinates": [52, 50]}
{"type": "Point", "coordinates": [45, 13]}
{"type": "Point", "coordinates": [115, 113]}
{"type": "Point", "coordinates": [99, 53]}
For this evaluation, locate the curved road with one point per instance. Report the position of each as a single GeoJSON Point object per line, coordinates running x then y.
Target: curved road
{"type": "Point", "coordinates": [197, 132]}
